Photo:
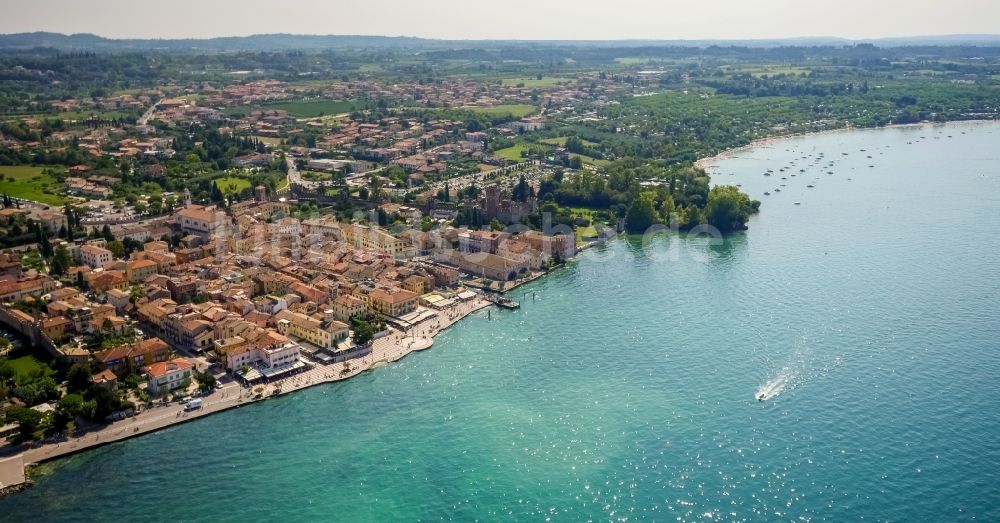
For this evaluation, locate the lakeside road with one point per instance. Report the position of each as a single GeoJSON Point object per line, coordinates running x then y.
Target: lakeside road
{"type": "Point", "coordinates": [387, 349]}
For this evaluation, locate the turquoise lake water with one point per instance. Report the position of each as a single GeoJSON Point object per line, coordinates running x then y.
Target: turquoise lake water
{"type": "Point", "coordinates": [624, 388]}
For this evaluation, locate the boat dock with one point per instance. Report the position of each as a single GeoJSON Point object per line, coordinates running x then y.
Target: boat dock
{"type": "Point", "coordinates": [501, 301]}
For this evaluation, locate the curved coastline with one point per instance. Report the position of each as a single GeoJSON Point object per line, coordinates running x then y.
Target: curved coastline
{"type": "Point", "coordinates": [119, 431]}
{"type": "Point", "coordinates": [710, 161]}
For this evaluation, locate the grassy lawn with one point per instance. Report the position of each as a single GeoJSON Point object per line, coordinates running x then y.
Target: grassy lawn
{"type": "Point", "coordinates": [531, 82]}
{"type": "Point", "coordinates": [273, 142]}
{"type": "Point", "coordinates": [512, 153]}
{"type": "Point", "coordinates": [589, 231]}
{"type": "Point", "coordinates": [25, 181]}
{"type": "Point", "coordinates": [518, 110]}
{"type": "Point", "coordinates": [316, 176]}
{"type": "Point", "coordinates": [232, 184]}
{"type": "Point", "coordinates": [590, 161]}
{"type": "Point", "coordinates": [583, 233]}
{"type": "Point", "coordinates": [26, 368]}
{"type": "Point", "coordinates": [561, 141]}
{"type": "Point", "coordinates": [314, 108]}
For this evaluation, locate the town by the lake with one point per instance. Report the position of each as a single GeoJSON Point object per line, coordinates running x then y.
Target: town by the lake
{"type": "Point", "coordinates": [221, 253]}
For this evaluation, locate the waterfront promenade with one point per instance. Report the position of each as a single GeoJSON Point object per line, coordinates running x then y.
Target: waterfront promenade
{"type": "Point", "coordinates": [387, 349]}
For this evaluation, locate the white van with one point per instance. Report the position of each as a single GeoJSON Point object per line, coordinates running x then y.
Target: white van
{"type": "Point", "coordinates": [193, 405]}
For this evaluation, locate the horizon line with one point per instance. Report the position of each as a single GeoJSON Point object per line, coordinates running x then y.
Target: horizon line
{"type": "Point", "coordinates": [436, 39]}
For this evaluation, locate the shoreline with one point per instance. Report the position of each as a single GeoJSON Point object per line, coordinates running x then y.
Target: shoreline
{"type": "Point", "coordinates": [710, 161]}
{"type": "Point", "coordinates": [389, 349]}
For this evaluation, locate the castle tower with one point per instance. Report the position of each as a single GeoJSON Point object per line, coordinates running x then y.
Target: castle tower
{"type": "Point", "coordinates": [492, 201]}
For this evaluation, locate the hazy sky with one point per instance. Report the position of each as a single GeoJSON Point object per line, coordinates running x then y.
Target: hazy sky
{"type": "Point", "coordinates": [506, 19]}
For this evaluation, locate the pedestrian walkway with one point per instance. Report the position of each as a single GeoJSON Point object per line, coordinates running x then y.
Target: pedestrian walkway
{"type": "Point", "coordinates": [11, 472]}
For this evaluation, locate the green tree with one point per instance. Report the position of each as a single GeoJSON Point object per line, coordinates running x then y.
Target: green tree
{"type": "Point", "coordinates": [28, 420]}
{"type": "Point", "coordinates": [105, 402]}
{"type": "Point", "coordinates": [132, 381]}
{"type": "Point", "coordinates": [640, 215]}
{"type": "Point", "coordinates": [78, 378]}
{"type": "Point", "coordinates": [38, 391]}
{"type": "Point", "coordinates": [364, 331]}
{"type": "Point", "coordinates": [117, 248]}
{"type": "Point", "coordinates": [728, 209]}
{"type": "Point", "coordinates": [496, 225]}
{"type": "Point", "coordinates": [206, 381]}
{"type": "Point", "coordinates": [76, 406]}
{"type": "Point", "coordinates": [60, 261]}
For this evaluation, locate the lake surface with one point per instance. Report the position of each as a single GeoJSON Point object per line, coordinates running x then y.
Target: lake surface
{"type": "Point", "coordinates": [625, 387]}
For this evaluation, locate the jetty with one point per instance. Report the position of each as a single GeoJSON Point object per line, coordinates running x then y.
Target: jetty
{"type": "Point", "coordinates": [12, 476]}
{"type": "Point", "coordinates": [501, 301]}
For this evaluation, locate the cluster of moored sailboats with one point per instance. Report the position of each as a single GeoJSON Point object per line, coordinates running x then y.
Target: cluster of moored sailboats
{"type": "Point", "coordinates": [811, 161]}
{"type": "Point", "coordinates": [802, 165]}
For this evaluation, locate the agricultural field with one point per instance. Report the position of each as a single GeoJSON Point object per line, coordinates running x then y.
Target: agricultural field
{"type": "Point", "coordinates": [533, 82]}
{"type": "Point", "coordinates": [301, 108]}
{"type": "Point", "coordinates": [517, 110]}
{"type": "Point", "coordinates": [269, 140]}
{"type": "Point", "coordinates": [512, 153]}
{"type": "Point", "coordinates": [769, 70]}
{"type": "Point", "coordinates": [70, 116]}
{"type": "Point", "coordinates": [634, 60]}
{"type": "Point", "coordinates": [28, 182]}
{"type": "Point", "coordinates": [232, 184]}
{"type": "Point", "coordinates": [561, 142]}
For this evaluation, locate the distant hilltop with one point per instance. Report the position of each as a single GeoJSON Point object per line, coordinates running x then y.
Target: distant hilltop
{"type": "Point", "coordinates": [278, 42]}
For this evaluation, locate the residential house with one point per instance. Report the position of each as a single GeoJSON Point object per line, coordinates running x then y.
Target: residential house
{"type": "Point", "coordinates": [138, 270]}
{"type": "Point", "coordinates": [132, 358]}
{"type": "Point", "coordinates": [94, 257]}
{"type": "Point", "coordinates": [165, 376]}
